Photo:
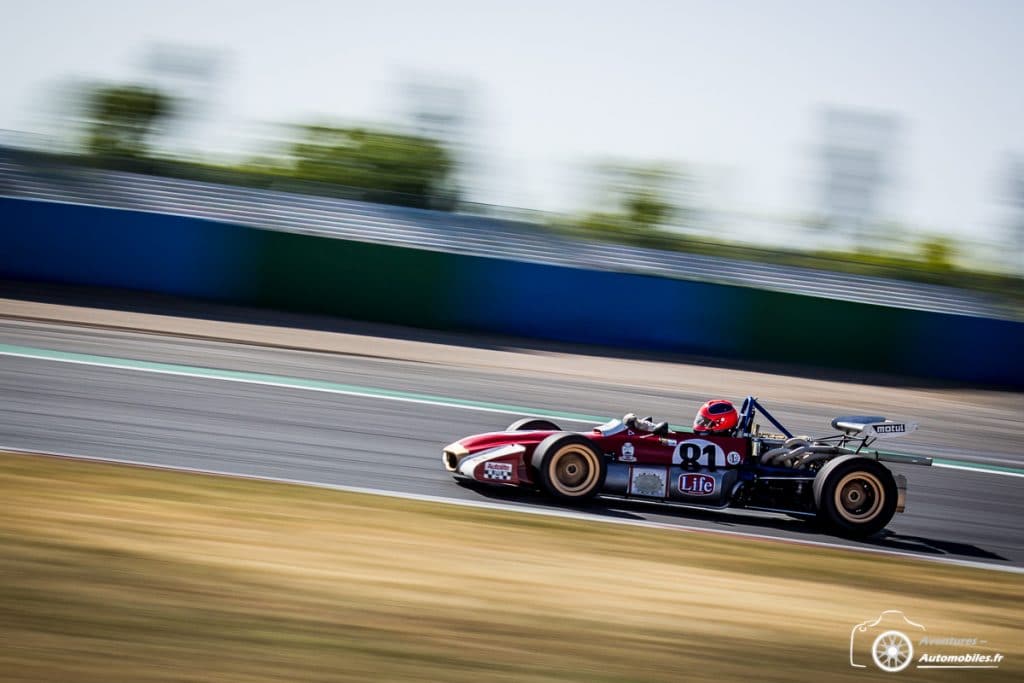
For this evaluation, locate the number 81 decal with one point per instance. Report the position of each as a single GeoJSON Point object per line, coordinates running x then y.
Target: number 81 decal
{"type": "Point", "coordinates": [698, 452]}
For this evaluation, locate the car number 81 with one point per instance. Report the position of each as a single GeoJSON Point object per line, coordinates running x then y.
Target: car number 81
{"type": "Point", "coordinates": [697, 452]}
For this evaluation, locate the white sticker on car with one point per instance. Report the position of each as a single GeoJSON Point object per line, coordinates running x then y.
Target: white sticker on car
{"type": "Point", "coordinates": [648, 481]}
{"type": "Point", "coordinates": [501, 471]}
{"type": "Point", "coordinates": [628, 453]}
{"type": "Point", "coordinates": [695, 452]}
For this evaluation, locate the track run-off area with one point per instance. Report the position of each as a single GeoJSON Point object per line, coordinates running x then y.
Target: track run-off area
{"type": "Point", "coordinates": [370, 423]}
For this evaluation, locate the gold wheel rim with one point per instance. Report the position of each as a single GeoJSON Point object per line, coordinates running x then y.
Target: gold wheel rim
{"type": "Point", "coordinates": [573, 470]}
{"type": "Point", "coordinates": [859, 497]}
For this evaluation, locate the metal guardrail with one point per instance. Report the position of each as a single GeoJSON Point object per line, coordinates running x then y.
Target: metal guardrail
{"type": "Point", "coordinates": [458, 233]}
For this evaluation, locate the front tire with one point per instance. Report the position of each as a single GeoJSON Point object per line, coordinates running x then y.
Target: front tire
{"type": "Point", "coordinates": [855, 496]}
{"type": "Point", "coordinates": [533, 424]}
{"type": "Point", "coordinates": [569, 467]}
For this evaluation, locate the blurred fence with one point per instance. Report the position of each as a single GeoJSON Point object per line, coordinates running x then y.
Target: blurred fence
{"type": "Point", "coordinates": [456, 233]}
{"type": "Point", "coordinates": [215, 260]}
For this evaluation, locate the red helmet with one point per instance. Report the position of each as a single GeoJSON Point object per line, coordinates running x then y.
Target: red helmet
{"type": "Point", "coordinates": [717, 415]}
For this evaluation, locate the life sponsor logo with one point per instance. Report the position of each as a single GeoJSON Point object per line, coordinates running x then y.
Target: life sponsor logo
{"type": "Point", "coordinates": [693, 484]}
{"type": "Point", "coordinates": [892, 642]}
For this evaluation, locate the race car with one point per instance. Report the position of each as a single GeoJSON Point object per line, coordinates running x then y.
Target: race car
{"type": "Point", "coordinates": [836, 480]}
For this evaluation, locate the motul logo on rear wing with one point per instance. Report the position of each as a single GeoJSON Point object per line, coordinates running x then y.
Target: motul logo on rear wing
{"type": "Point", "coordinates": [890, 429]}
{"type": "Point", "coordinates": [884, 429]}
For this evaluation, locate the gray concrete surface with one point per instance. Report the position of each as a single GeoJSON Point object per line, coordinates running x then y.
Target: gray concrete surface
{"type": "Point", "coordinates": [955, 422]}
{"type": "Point", "coordinates": [292, 433]}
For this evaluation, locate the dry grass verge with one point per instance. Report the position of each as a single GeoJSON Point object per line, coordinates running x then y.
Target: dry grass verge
{"type": "Point", "coordinates": [113, 573]}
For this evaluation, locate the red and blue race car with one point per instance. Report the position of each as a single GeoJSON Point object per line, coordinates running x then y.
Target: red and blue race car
{"type": "Point", "coordinates": [836, 479]}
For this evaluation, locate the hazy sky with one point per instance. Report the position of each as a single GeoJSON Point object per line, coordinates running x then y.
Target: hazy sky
{"type": "Point", "coordinates": [733, 86]}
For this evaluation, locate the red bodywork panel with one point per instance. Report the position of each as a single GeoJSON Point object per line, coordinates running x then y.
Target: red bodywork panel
{"type": "Point", "coordinates": [639, 448]}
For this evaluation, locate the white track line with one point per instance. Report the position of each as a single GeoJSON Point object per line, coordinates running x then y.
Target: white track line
{"type": "Point", "coordinates": [183, 371]}
{"type": "Point", "coordinates": [546, 512]}
{"type": "Point", "coordinates": [979, 468]}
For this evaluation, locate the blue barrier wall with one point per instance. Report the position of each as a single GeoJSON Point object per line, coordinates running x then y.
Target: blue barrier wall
{"type": "Point", "coordinates": [216, 261]}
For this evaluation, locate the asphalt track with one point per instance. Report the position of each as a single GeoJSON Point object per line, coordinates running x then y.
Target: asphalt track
{"type": "Point", "coordinates": [386, 428]}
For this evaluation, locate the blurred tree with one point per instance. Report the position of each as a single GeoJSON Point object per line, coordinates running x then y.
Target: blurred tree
{"type": "Point", "coordinates": [387, 167]}
{"type": "Point", "coordinates": [636, 202]}
{"type": "Point", "coordinates": [937, 253]}
{"type": "Point", "coordinates": [123, 118]}
{"type": "Point", "coordinates": [644, 196]}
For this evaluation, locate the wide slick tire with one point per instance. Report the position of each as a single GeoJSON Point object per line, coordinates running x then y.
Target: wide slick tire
{"type": "Point", "coordinates": [569, 467]}
{"type": "Point", "coordinates": [533, 424]}
{"type": "Point", "coordinates": [855, 496]}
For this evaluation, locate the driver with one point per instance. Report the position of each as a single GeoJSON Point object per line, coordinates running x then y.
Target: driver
{"type": "Point", "coordinates": [716, 416]}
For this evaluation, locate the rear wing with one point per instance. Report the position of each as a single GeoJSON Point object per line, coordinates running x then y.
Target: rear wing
{"type": "Point", "coordinates": [872, 427]}
{"type": "Point", "coordinates": [868, 428]}
{"type": "Point", "coordinates": [856, 433]}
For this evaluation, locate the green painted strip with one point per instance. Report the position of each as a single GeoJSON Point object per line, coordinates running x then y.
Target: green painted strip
{"type": "Point", "coordinates": [287, 382]}
{"type": "Point", "coordinates": [368, 392]}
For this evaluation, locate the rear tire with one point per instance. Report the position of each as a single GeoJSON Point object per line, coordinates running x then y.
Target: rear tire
{"type": "Point", "coordinates": [532, 424]}
{"type": "Point", "coordinates": [855, 496]}
{"type": "Point", "coordinates": [569, 467]}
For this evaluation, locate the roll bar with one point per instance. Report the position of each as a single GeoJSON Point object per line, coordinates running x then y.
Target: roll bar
{"type": "Point", "coordinates": [750, 408]}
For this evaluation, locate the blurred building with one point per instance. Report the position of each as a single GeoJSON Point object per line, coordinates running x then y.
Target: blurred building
{"type": "Point", "coordinates": [1015, 196]}
{"type": "Point", "coordinates": [857, 156]}
{"type": "Point", "coordinates": [192, 77]}
{"type": "Point", "coordinates": [442, 108]}
{"type": "Point", "coordinates": [436, 109]}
